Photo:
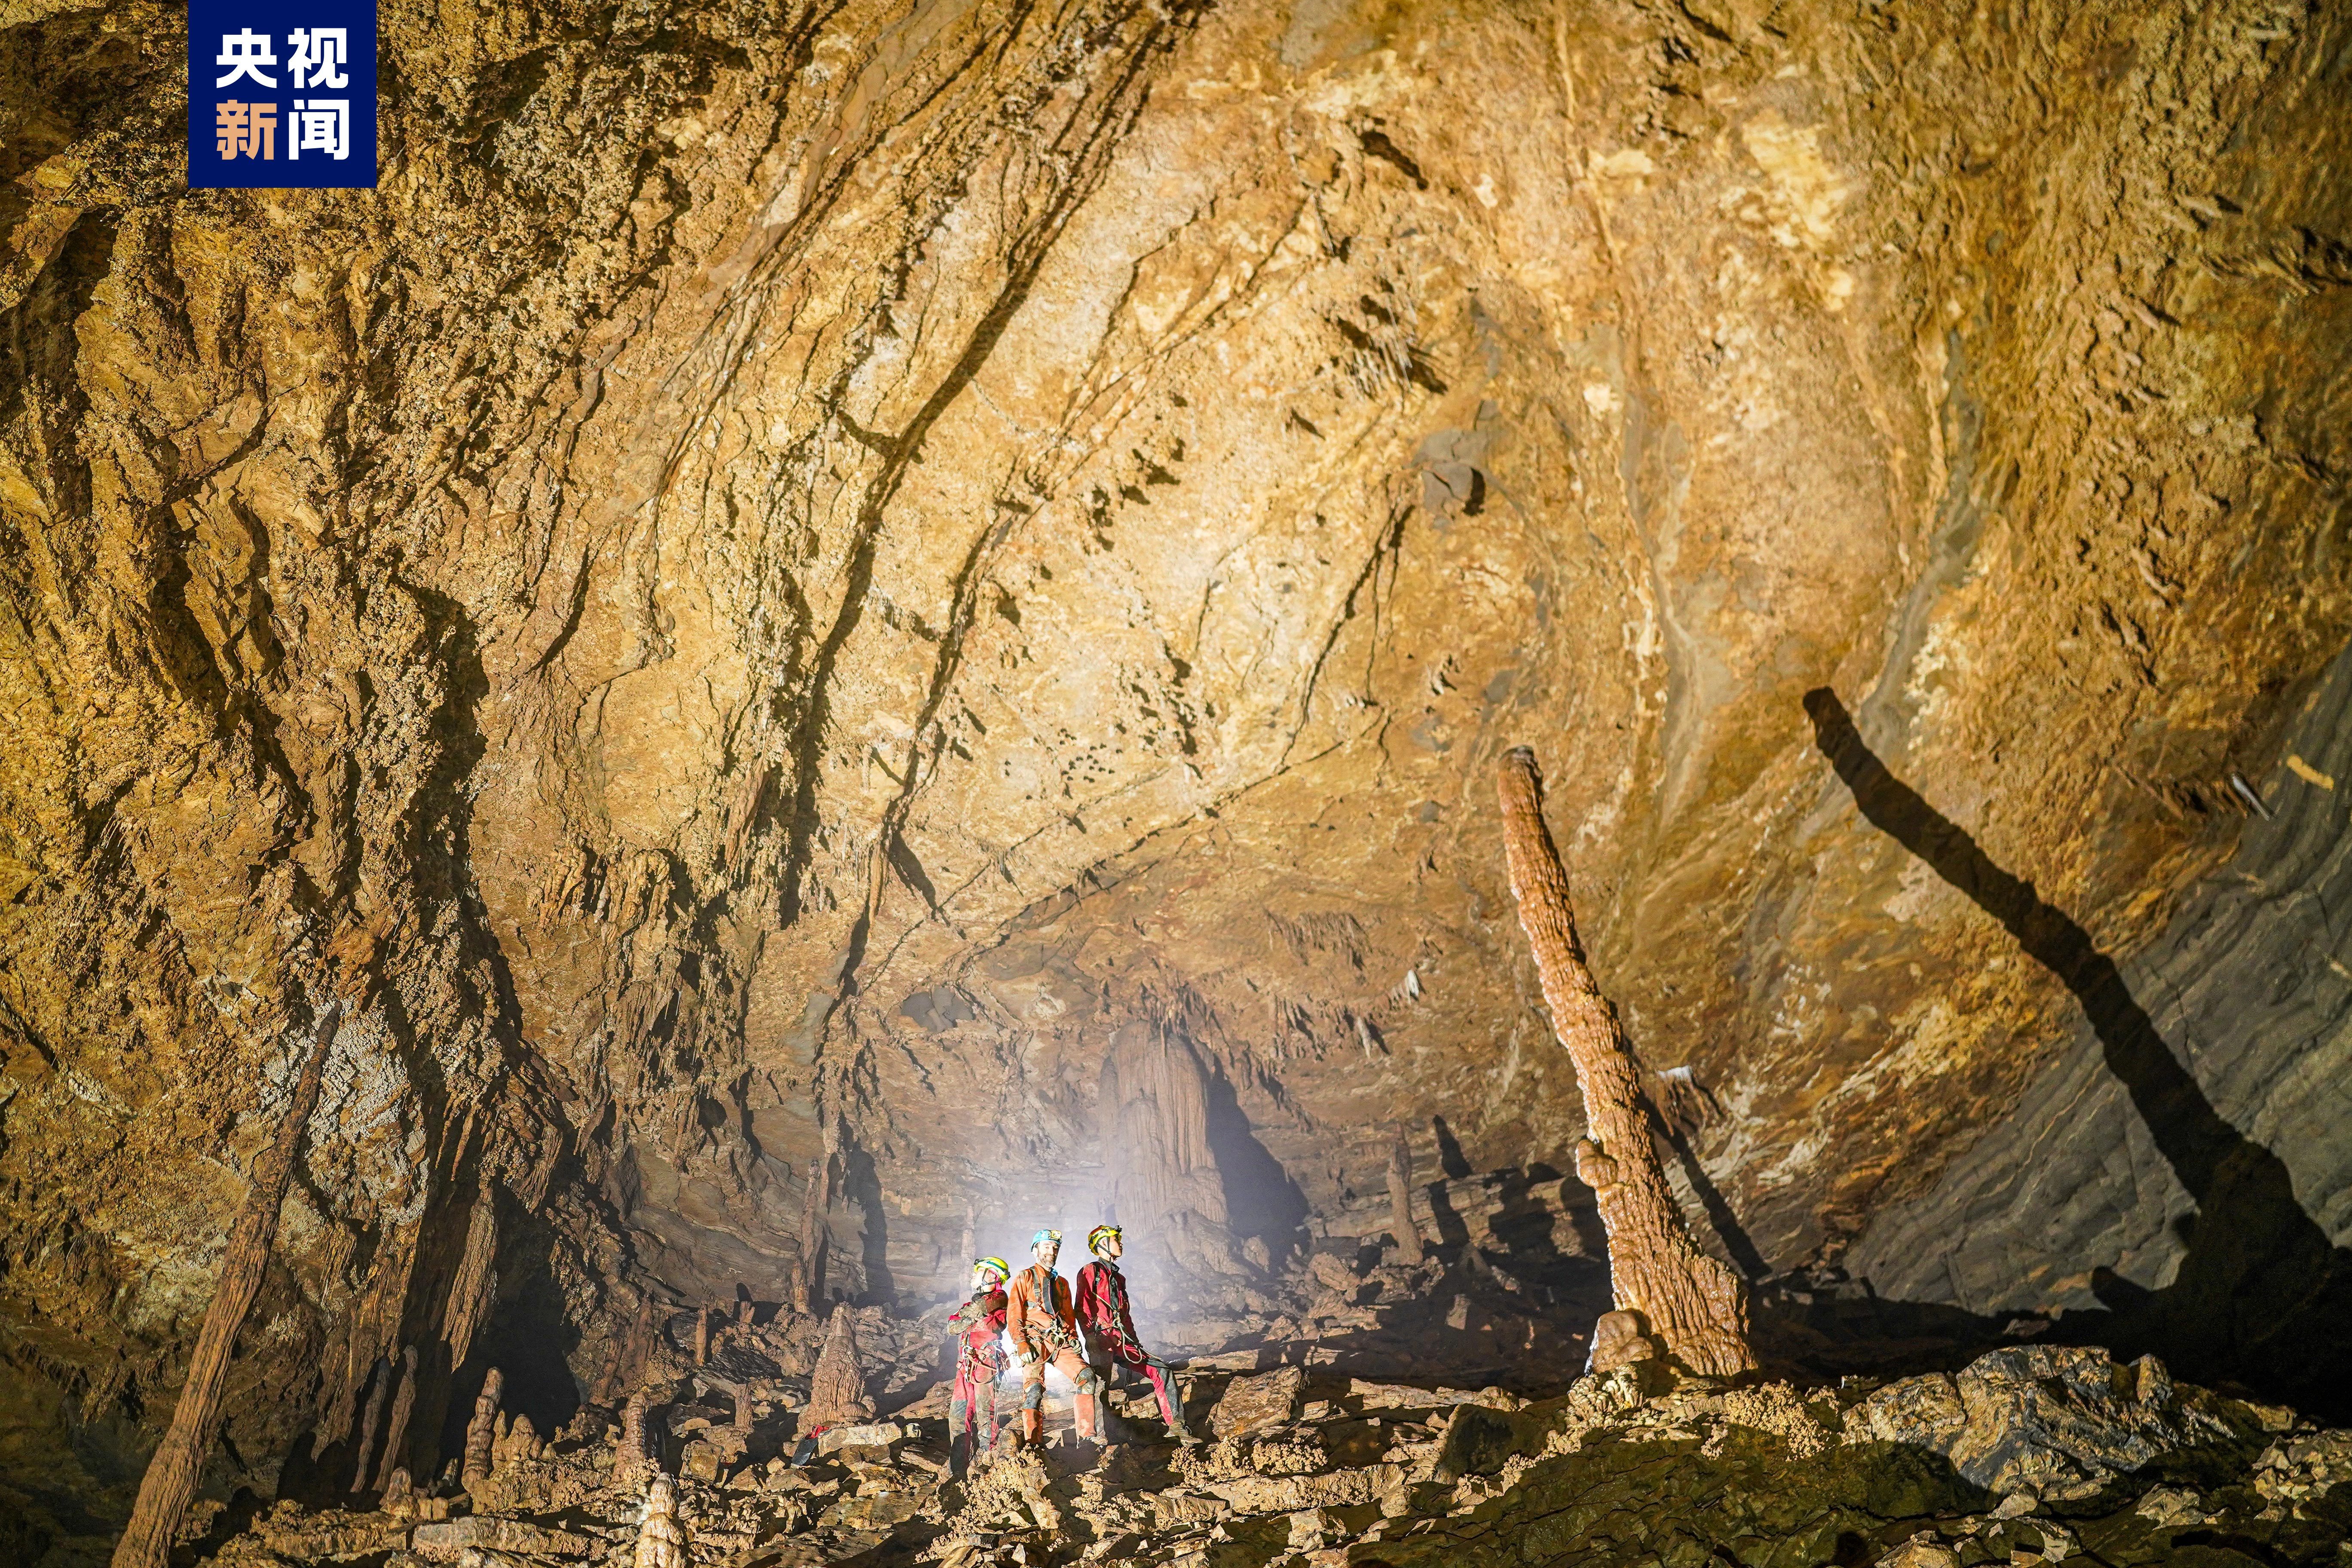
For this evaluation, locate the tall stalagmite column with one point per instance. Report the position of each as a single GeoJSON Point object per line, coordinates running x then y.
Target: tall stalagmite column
{"type": "Point", "coordinates": [170, 1483]}
{"type": "Point", "coordinates": [1695, 1304]}
{"type": "Point", "coordinates": [1407, 1235]}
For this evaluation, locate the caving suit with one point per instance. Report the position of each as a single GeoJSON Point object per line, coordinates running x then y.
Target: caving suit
{"type": "Point", "coordinates": [1043, 1323]}
{"type": "Point", "coordinates": [1107, 1314]}
{"type": "Point", "coordinates": [977, 1326]}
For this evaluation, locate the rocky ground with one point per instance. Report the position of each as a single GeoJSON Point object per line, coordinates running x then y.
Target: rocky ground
{"type": "Point", "coordinates": [2041, 1454]}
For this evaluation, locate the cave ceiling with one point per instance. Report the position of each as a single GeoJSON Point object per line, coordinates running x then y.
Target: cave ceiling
{"type": "Point", "coordinates": [944, 584]}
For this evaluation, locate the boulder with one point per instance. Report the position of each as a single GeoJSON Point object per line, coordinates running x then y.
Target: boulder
{"type": "Point", "coordinates": [2060, 1421]}
{"type": "Point", "coordinates": [1254, 1404]}
{"type": "Point", "coordinates": [869, 1435]}
{"type": "Point", "coordinates": [445, 1542]}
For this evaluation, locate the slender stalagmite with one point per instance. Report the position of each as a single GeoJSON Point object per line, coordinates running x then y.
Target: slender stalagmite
{"type": "Point", "coordinates": [743, 1306]}
{"type": "Point", "coordinates": [702, 1336]}
{"type": "Point", "coordinates": [1697, 1305]}
{"type": "Point", "coordinates": [402, 1403]}
{"type": "Point", "coordinates": [368, 1419]}
{"type": "Point", "coordinates": [807, 1282]}
{"type": "Point", "coordinates": [170, 1483]}
{"type": "Point", "coordinates": [483, 1429]}
{"type": "Point", "coordinates": [629, 1456]}
{"type": "Point", "coordinates": [1408, 1236]}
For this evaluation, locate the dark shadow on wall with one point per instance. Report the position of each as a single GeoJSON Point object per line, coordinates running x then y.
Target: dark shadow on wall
{"type": "Point", "coordinates": [2261, 1296]}
{"type": "Point", "coordinates": [1261, 1200]}
{"type": "Point", "coordinates": [1742, 1248]}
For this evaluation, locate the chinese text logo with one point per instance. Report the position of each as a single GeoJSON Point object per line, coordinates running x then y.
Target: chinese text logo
{"type": "Point", "coordinates": [281, 94]}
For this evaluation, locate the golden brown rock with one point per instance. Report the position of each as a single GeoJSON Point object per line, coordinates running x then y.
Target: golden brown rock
{"type": "Point", "coordinates": [481, 1432]}
{"type": "Point", "coordinates": [376, 1394]}
{"type": "Point", "coordinates": [661, 1539]}
{"type": "Point", "coordinates": [1696, 1304]}
{"type": "Point", "coordinates": [170, 1482]}
{"type": "Point", "coordinates": [837, 1390]}
{"type": "Point", "coordinates": [630, 1460]}
{"type": "Point", "coordinates": [395, 1452]}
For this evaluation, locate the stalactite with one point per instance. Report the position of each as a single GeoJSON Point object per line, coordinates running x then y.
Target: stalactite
{"type": "Point", "coordinates": [481, 1432]}
{"type": "Point", "coordinates": [1695, 1304]}
{"type": "Point", "coordinates": [374, 1326]}
{"type": "Point", "coordinates": [170, 1483]}
{"type": "Point", "coordinates": [402, 1401]}
{"type": "Point", "coordinates": [629, 1456]}
{"type": "Point", "coordinates": [837, 1388]}
{"type": "Point", "coordinates": [376, 1388]}
{"type": "Point", "coordinates": [628, 1355]}
{"type": "Point", "coordinates": [471, 1290]}
{"type": "Point", "coordinates": [1407, 1235]}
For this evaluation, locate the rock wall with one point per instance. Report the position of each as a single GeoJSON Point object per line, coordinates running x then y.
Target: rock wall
{"type": "Point", "coordinates": [808, 567]}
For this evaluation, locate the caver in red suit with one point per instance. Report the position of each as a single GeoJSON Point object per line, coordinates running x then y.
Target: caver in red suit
{"type": "Point", "coordinates": [978, 1328]}
{"type": "Point", "coordinates": [1107, 1317]}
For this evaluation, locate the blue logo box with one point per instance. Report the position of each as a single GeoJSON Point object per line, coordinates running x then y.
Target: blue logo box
{"type": "Point", "coordinates": [281, 94]}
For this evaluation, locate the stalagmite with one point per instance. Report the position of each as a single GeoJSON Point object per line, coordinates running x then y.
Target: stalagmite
{"type": "Point", "coordinates": [661, 1541]}
{"type": "Point", "coordinates": [742, 1391]}
{"type": "Point", "coordinates": [481, 1432]}
{"type": "Point", "coordinates": [368, 1419]}
{"type": "Point", "coordinates": [402, 1403]}
{"type": "Point", "coordinates": [1408, 1236]}
{"type": "Point", "coordinates": [1697, 1305]}
{"type": "Point", "coordinates": [837, 1389]}
{"type": "Point", "coordinates": [807, 1281]}
{"type": "Point", "coordinates": [170, 1483]}
{"type": "Point", "coordinates": [629, 1456]}
{"type": "Point", "coordinates": [702, 1336]}
{"type": "Point", "coordinates": [743, 1307]}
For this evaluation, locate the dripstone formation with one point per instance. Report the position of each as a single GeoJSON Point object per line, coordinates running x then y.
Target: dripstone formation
{"type": "Point", "coordinates": [820, 639]}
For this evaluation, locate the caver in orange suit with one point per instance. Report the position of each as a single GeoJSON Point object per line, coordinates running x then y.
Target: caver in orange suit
{"type": "Point", "coordinates": [1043, 1325]}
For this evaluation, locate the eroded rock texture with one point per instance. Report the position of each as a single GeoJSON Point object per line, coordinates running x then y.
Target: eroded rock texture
{"type": "Point", "coordinates": [921, 599]}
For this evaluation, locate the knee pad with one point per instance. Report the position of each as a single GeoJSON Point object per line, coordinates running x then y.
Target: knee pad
{"type": "Point", "coordinates": [1032, 1395]}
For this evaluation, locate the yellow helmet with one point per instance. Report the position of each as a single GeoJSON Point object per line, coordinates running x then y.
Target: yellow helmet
{"type": "Point", "coordinates": [997, 1266]}
{"type": "Point", "coordinates": [1095, 1236]}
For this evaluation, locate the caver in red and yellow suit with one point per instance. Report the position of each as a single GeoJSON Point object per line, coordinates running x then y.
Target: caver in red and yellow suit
{"type": "Point", "coordinates": [1044, 1330]}
{"type": "Point", "coordinates": [978, 1328]}
{"type": "Point", "coordinates": [1106, 1315]}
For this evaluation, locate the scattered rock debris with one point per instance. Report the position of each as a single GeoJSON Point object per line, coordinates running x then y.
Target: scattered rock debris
{"type": "Point", "coordinates": [2043, 1454]}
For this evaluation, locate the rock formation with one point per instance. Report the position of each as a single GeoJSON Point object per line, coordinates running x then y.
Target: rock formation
{"type": "Point", "coordinates": [702, 1336]}
{"type": "Point", "coordinates": [886, 607]}
{"type": "Point", "coordinates": [837, 1390]}
{"type": "Point", "coordinates": [1400, 1222]}
{"type": "Point", "coordinates": [170, 1482]}
{"type": "Point", "coordinates": [376, 1391]}
{"type": "Point", "coordinates": [1696, 1304]}
{"type": "Point", "coordinates": [808, 1266]}
{"type": "Point", "coordinates": [661, 1539]}
{"type": "Point", "coordinates": [630, 1459]}
{"type": "Point", "coordinates": [481, 1432]}
{"type": "Point", "coordinates": [396, 1438]}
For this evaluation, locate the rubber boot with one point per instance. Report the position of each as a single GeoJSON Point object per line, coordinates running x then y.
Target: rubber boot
{"type": "Point", "coordinates": [1033, 1427]}
{"type": "Point", "coordinates": [1089, 1429]}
